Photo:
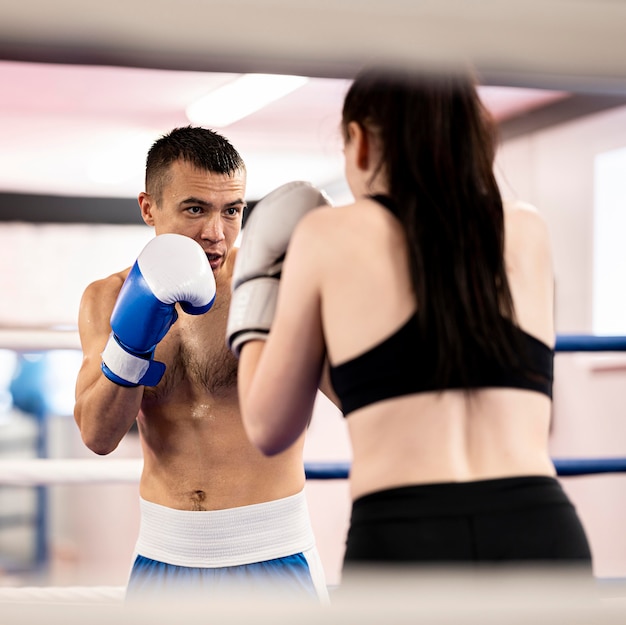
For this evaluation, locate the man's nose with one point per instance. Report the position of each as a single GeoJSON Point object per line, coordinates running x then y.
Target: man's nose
{"type": "Point", "coordinates": [212, 229]}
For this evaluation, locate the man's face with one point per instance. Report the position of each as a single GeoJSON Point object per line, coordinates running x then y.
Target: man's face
{"type": "Point", "coordinates": [204, 206]}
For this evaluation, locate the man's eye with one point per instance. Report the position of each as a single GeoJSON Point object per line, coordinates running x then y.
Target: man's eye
{"type": "Point", "coordinates": [195, 210]}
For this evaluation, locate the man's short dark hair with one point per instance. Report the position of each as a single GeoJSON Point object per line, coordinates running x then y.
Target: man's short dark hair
{"type": "Point", "coordinates": [203, 148]}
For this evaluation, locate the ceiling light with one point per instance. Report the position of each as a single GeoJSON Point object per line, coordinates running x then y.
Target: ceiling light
{"type": "Point", "coordinates": [240, 98]}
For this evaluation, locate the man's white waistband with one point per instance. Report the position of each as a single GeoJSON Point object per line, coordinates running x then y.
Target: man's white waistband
{"type": "Point", "coordinates": [218, 538]}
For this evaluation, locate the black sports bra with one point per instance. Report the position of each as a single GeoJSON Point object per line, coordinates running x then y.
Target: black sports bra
{"type": "Point", "coordinates": [402, 365]}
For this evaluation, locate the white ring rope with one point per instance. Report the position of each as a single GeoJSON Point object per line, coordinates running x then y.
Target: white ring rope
{"type": "Point", "coordinates": [50, 471]}
{"type": "Point", "coordinates": [62, 594]}
{"type": "Point", "coordinates": [38, 339]}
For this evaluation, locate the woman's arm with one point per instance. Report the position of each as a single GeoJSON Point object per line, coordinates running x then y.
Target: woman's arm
{"type": "Point", "coordinates": [279, 378]}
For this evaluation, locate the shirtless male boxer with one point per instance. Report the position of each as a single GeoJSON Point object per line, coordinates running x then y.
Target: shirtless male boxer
{"type": "Point", "coordinates": [216, 514]}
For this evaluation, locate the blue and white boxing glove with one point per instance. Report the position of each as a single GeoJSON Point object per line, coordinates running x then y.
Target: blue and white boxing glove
{"type": "Point", "coordinates": [260, 258]}
{"type": "Point", "coordinates": [171, 269]}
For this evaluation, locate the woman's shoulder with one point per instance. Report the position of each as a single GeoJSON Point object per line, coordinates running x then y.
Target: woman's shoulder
{"type": "Point", "coordinates": [523, 212]}
{"type": "Point", "coordinates": [327, 219]}
{"type": "Point", "coordinates": [529, 264]}
{"type": "Point", "coordinates": [528, 247]}
{"type": "Point", "coordinates": [361, 210]}
{"type": "Point", "coordinates": [525, 225]}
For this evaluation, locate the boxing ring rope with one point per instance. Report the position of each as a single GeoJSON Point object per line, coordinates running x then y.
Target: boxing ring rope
{"type": "Point", "coordinates": [52, 471]}
{"type": "Point", "coordinates": [564, 467]}
{"type": "Point", "coordinates": [33, 339]}
{"type": "Point", "coordinates": [39, 339]}
{"type": "Point", "coordinates": [62, 594]}
{"type": "Point", "coordinates": [589, 343]}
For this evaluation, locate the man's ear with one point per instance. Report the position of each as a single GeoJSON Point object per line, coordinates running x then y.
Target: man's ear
{"type": "Point", "coordinates": [359, 136]}
{"type": "Point", "coordinates": [146, 205]}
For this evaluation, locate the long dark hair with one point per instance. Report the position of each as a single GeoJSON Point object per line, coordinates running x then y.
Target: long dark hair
{"type": "Point", "coordinates": [438, 146]}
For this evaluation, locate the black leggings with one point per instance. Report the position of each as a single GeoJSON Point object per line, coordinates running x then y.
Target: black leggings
{"type": "Point", "coordinates": [526, 519]}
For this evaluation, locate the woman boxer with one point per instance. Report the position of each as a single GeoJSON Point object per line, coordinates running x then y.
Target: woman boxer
{"type": "Point", "coordinates": [433, 303]}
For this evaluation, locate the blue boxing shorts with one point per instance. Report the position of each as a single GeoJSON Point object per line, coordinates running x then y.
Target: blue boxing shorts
{"type": "Point", "coordinates": [265, 550]}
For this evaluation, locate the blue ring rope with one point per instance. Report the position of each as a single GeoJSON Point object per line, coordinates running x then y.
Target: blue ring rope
{"type": "Point", "coordinates": [564, 467]}
{"type": "Point", "coordinates": [589, 343]}
{"type": "Point", "coordinates": [588, 466]}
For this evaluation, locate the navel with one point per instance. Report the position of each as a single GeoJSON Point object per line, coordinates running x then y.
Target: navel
{"type": "Point", "coordinates": [197, 499]}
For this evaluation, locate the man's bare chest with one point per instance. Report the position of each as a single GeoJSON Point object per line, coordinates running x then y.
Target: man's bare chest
{"type": "Point", "coordinates": [196, 357]}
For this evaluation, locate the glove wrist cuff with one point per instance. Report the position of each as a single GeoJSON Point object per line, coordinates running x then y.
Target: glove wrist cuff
{"type": "Point", "coordinates": [252, 308]}
{"type": "Point", "coordinates": [127, 369]}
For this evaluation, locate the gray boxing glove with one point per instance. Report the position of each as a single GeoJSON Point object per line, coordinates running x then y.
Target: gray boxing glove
{"type": "Point", "coordinates": [260, 258]}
